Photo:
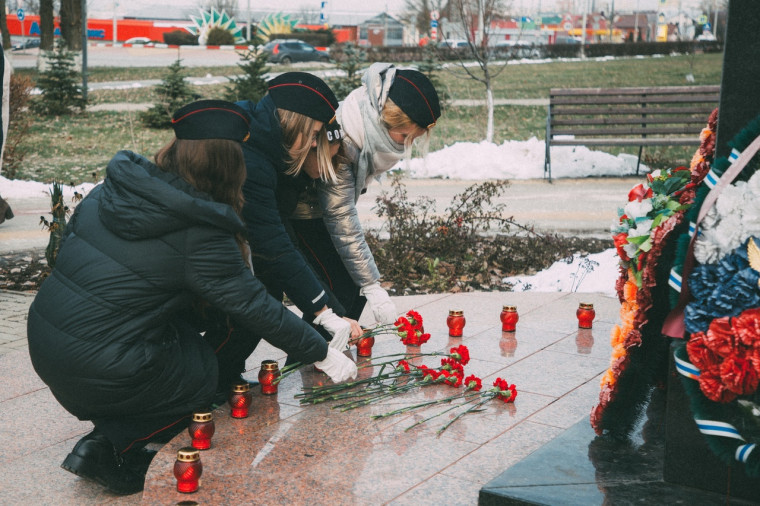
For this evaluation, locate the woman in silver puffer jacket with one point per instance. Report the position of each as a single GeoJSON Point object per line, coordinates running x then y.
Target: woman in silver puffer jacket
{"type": "Point", "coordinates": [380, 121]}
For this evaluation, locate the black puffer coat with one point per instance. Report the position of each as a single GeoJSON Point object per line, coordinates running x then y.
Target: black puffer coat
{"type": "Point", "coordinates": [104, 329]}
{"type": "Point", "coordinates": [271, 197]}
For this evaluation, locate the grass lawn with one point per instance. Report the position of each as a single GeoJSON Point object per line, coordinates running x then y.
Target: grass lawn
{"type": "Point", "coordinates": [76, 149]}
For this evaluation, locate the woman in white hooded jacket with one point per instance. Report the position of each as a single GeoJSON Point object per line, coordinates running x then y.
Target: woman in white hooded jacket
{"type": "Point", "coordinates": [380, 120]}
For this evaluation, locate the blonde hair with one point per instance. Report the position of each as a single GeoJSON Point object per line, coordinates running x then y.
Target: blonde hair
{"type": "Point", "coordinates": [393, 117]}
{"type": "Point", "coordinates": [296, 125]}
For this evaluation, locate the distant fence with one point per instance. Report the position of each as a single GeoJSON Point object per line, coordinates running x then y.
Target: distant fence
{"type": "Point", "coordinates": [414, 53]}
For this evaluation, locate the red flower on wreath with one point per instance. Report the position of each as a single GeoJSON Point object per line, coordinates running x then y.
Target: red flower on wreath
{"type": "Point", "coordinates": [639, 193]}
{"type": "Point", "coordinates": [720, 337]}
{"type": "Point", "coordinates": [747, 328]}
{"type": "Point", "coordinates": [621, 240]}
{"type": "Point", "coordinates": [739, 375]}
{"type": "Point", "coordinates": [714, 389]}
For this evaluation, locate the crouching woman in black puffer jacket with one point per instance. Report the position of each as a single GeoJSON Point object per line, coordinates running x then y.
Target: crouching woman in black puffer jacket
{"type": "Point", "coordinates": [108, 330]}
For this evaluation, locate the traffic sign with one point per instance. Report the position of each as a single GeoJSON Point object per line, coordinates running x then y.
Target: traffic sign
{"type": "Point", "coordinates": [434, 15]}
{"type": "Point", "coordinates": [702, 20]}
{"type": "Point", "coordinates": [20, 14]}
{"type": "Point", "coordinates": [433, 23]}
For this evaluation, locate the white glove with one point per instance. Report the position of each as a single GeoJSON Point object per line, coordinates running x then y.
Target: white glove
{"type": "Point", "coordinates": [381, 304]}
{"type": "Point", "coordinates": [339, 329]}
{"type": "Point", "coordinates": [338, 366]}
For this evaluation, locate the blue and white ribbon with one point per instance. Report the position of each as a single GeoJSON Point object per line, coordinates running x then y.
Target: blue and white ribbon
{"type": "Point", "coordinates": [743, 451]}
{"type": "Point", "coordinates": [734, 155]}
{"type": "Point", "coordinates": [715, 428]}
{"type": "Point", "coordinates": [674, 280]}
{"type": "Point", "coordinates": [686, 368]}
{"type": "Point", "coordinates": [711, 179]}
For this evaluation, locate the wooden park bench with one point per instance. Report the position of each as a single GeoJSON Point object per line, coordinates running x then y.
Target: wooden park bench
{"type": "Point", "coordinates": [656, 116]}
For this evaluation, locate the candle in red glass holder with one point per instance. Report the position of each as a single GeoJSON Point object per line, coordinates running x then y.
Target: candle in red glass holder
{"type": "Point", "coordinates": [509, 318]}
{"type": "Point", "coordinates": [268, 375]}
{"type": "Point", "coordinates": [456, 322]}
{"type": "Point", "coordinates": [188, 470]}
{"type": "Point", "coordinates": [364, 346]}
{"type": "Point", "coordinates": [240, 400]}
{"type": "Point", "coordinates": [585, 314]}
{"type": "Point", "coordinates": [201, 429]}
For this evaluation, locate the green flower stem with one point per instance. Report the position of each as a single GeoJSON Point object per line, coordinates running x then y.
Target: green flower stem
{"type": "Point", "coordinates": [407, 356]}
{"type": "Point", "coordinates": [417, 406]}
{"type": "Point", "coordinates": [439, 414]}
{"type": "Point", "coordinates": [470, 410]}
{"type": "Point", "coordinates": [287, 370]}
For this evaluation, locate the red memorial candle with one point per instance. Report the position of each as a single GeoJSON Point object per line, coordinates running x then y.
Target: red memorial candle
{"type": "Point", "coordinates": [456, 322]}
{"type": "Point", "coordinates": [585, 314]}
{"type": "Point", "coordinates": [188, 470]}
{"type": "Point", "coordinates": [240, 400]}
{"type": "Point", "coordinates": [201, 429]}
{"type": "Point", "coordinates": [268, 375]}
{"type": "Point", "coordinates": [509, 318]}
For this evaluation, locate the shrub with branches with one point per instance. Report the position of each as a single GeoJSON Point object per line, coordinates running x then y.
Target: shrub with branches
{"type": "Point", "coordinates": [18, 124]}
{"type": "Point", "coordinates": [352, 59]}
{"type": "Point", "coordinates": [218, 36]}
{"type": "Point", "coordinates": [468, 247]}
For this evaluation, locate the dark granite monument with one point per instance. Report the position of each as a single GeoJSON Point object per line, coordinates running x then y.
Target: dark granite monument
{"type": "Point", "coordinates": [667, 460]}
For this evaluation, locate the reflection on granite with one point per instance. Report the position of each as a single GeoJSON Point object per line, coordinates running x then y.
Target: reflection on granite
{"type": "Point", "coordinates": [580, 468]}
{"type": "Point", "coordinates": [291, 453]}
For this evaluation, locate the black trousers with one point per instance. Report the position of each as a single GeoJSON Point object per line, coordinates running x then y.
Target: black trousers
{"type": "Point", "coordinates": [317, 246]}
{"type": "Point", "coordinates": [217, 359]}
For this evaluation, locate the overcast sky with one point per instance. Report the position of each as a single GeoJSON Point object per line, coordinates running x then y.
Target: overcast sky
{"type": "Point", "coordinates": [393, 6]}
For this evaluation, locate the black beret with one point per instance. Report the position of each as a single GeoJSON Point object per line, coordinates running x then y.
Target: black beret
{"type": "Point", "coordinates": [305, 94]}
{"type": "Point", "coordinates": [413, 92]}
{"type": "Point", "coordinates": [211, 119]}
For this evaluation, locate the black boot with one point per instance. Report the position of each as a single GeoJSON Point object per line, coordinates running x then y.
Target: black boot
{"type": "Point", "coordinates": [94, 457]}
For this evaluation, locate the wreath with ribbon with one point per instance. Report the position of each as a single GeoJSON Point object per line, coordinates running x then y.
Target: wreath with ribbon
{"type": "Point", "coordinates": [646, 239]}
{"type": "Point", "coordinates": [719, 362]}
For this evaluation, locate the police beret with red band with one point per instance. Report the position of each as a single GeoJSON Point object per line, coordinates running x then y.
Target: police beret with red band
{"type": "Point", "coordinates": [305, 94]}
{"type": "Point", "coordinates": [413, 92]}
{"type": "Point", "coordinates": [211, 119]}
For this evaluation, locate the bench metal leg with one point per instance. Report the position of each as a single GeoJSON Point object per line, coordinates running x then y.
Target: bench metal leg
{"type": "Point", "coordinates": [638, 162]}
{"type": "Point", "coordinates": [547, 154]}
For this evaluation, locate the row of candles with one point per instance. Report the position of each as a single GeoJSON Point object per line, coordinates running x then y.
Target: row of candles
{"type": "Point", "coordinates": [509, 318]}
{"type": "Point", "coordinates": [188, 467]}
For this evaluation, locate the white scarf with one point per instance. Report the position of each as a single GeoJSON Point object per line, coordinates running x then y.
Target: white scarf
{"type": "Point", "coordinates": [359, 116]}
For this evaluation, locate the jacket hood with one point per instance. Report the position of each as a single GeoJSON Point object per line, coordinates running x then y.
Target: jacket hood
{"type": "Point", "coordinates": [141, 201]}
{"type": "Point", "coordinates": [266, 133]}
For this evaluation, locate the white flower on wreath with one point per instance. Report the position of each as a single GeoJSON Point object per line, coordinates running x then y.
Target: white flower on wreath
{"type": "Point", "coordinates": [636, 209]}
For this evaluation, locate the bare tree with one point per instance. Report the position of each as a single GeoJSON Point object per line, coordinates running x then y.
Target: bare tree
{"type": "Point", "coordinates": [71, 24]}
{"type": "Point", "coordinates": [475, 18]}
{"type": "Point", "coordinates": [228, 6]}
{"type": "Point", "coordinates": [47, 28]}
{"type": "Point", "coordinates": [417, 12]}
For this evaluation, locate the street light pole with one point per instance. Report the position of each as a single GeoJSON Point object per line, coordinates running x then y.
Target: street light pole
{"type": "Point", "coordinates": [115, 38]}
{"type": "Point", "coordinates": [248, 26]}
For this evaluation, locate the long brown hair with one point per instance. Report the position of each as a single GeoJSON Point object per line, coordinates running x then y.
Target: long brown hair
{"type": "Point", "coordinates": [213, 166]}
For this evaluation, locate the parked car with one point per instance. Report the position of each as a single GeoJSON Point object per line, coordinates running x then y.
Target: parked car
{"type": "Point", "coordinates": [453, 44]}
{"type": "Point", "coordinates": [138, 40]}
{"type": "Point", "coordinates": [517, 49]}
{"type": "Point", "coordinates": [288, 51]}
{"type": "Point", "coordinates": [27, 44]}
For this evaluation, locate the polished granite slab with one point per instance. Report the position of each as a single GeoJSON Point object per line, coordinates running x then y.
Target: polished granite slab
{"type": "Point", "coordinates": [579, 468]}
{"type": "Point", "coordinates": [288, 453]}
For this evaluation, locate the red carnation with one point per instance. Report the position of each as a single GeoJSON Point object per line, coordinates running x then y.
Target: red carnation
{"type": "Point", "coordinates": [452, 365]}
{"type": "Point", "coordinates": [714, 389]}
{"type": "Point", "coordinates": [720, 337]}
{"type": "Point", "coordinates": [461, 354]}
{"type": "Point", "coordinates": [739, 375]}
{"type": "Point", "coordinates": [416, 319]}
{"type": "Point", "coordinates": [403, 364]}
{"type": "Point", "coordinates": [699, 354]}
{"type": "Point", "coordinates": [747, 328]}
{"type": "Point", "coordinates": [472, 382]}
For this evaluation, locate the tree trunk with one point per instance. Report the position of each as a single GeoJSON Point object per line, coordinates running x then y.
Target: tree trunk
{"type": "Point", "coordinates": [4, 26]}
{"type": "Point", "coordinates": [47, 29]}
{"type": "Point", "coordinates": [71, 24]}
{"type": "Point", "coordinates": [489, 105]}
